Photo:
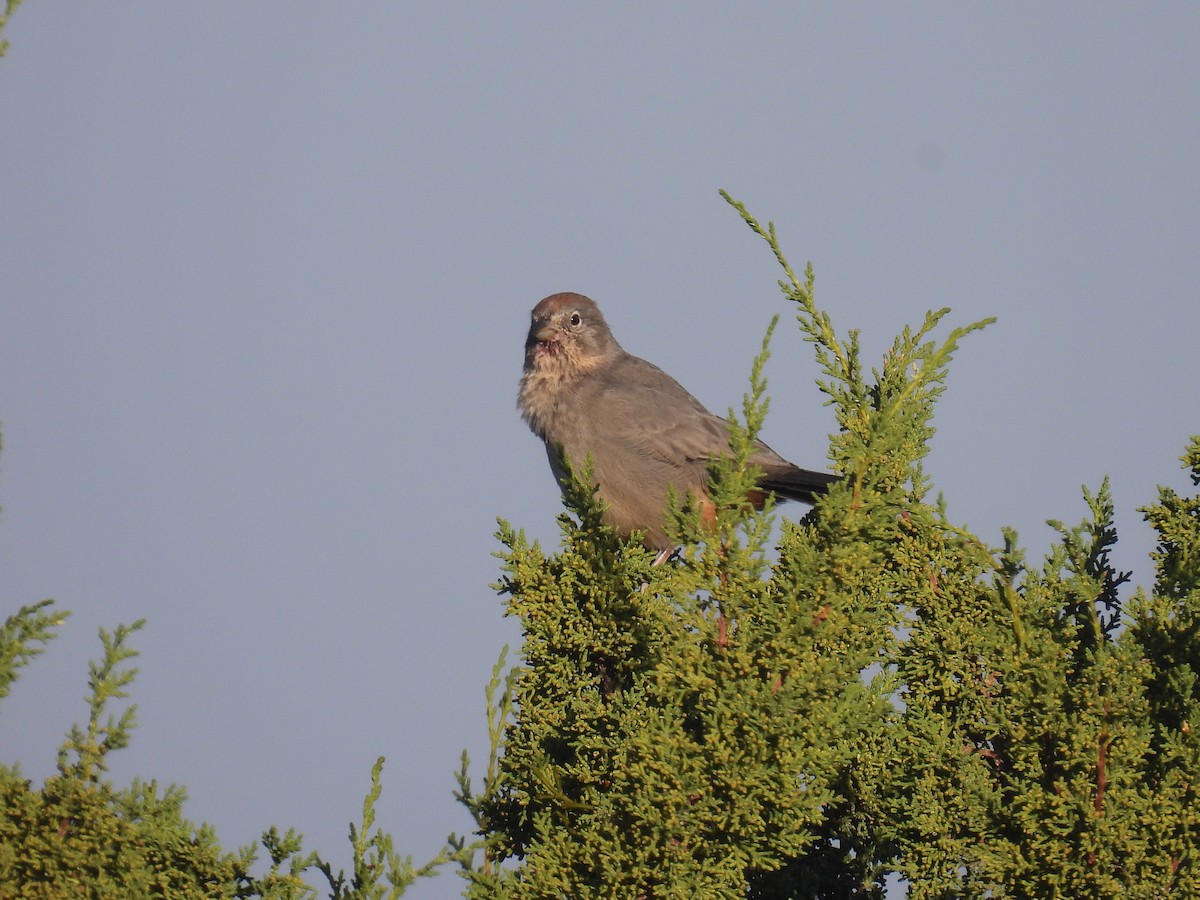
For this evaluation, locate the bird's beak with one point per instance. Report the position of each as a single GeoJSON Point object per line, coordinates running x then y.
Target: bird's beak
{"type": "Point", "coordinates": [545, 333]}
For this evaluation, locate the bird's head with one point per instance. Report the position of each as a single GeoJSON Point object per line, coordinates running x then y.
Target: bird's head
{"type": "Point", "coordinates": [567, 336]}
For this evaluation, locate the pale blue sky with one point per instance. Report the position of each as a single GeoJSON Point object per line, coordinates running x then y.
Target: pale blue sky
{"type": "Point", "coordinates": [267, 270]}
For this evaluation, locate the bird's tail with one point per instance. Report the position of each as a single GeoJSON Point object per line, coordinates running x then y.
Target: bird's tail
{"type": "Point", "coordinates": [794, 483]}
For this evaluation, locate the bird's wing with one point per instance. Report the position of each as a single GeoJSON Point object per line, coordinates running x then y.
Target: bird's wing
{"type": "Point", "coordinates": [653, 415]}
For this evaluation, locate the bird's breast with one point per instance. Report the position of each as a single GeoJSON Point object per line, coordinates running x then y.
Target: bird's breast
{"type": "Point", "coordinates": [544, 401]}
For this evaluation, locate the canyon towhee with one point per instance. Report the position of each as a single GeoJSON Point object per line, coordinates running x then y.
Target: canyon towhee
{"type": "Point", "coordinates": [582, 394]}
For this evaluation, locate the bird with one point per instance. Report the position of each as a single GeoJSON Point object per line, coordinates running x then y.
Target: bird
{"type": "Point", "coordinates": [584, 396]}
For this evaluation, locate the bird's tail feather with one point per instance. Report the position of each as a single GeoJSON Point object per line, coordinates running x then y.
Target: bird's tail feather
{"type": "Point", "coordinates": [794, 483]}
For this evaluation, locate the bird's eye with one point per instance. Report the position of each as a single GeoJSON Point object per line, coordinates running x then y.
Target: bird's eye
{"type": "Point", "coordinates": [575, 320]}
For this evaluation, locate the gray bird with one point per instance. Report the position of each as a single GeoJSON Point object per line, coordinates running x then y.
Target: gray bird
{"type": "Point", "coordinates": [582, 394]}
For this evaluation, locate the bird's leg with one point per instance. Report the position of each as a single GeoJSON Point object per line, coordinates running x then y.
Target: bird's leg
{"type": "Point", "coordinates": [665, 556]}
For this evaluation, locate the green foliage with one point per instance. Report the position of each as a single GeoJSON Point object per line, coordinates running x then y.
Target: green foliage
{"type": "Point", "coordinates": [684, 730]}
{"type": "Point", "coordinates": [75, 838]}
{"type": "Point", "coordinates": [79, 836]}
{"type": "Point", "coordinates": [29, 626]}
{"type": "Point", "coordinates": [107, 682]}
{"type": "Point", "coordinates": [379, 872]}
{"type": "Point", "coordinates": [499, 695]}
{"type": "Point", "coordinates": [9, 7]}
{"type": "Point", "coordinates": [884, 695]}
